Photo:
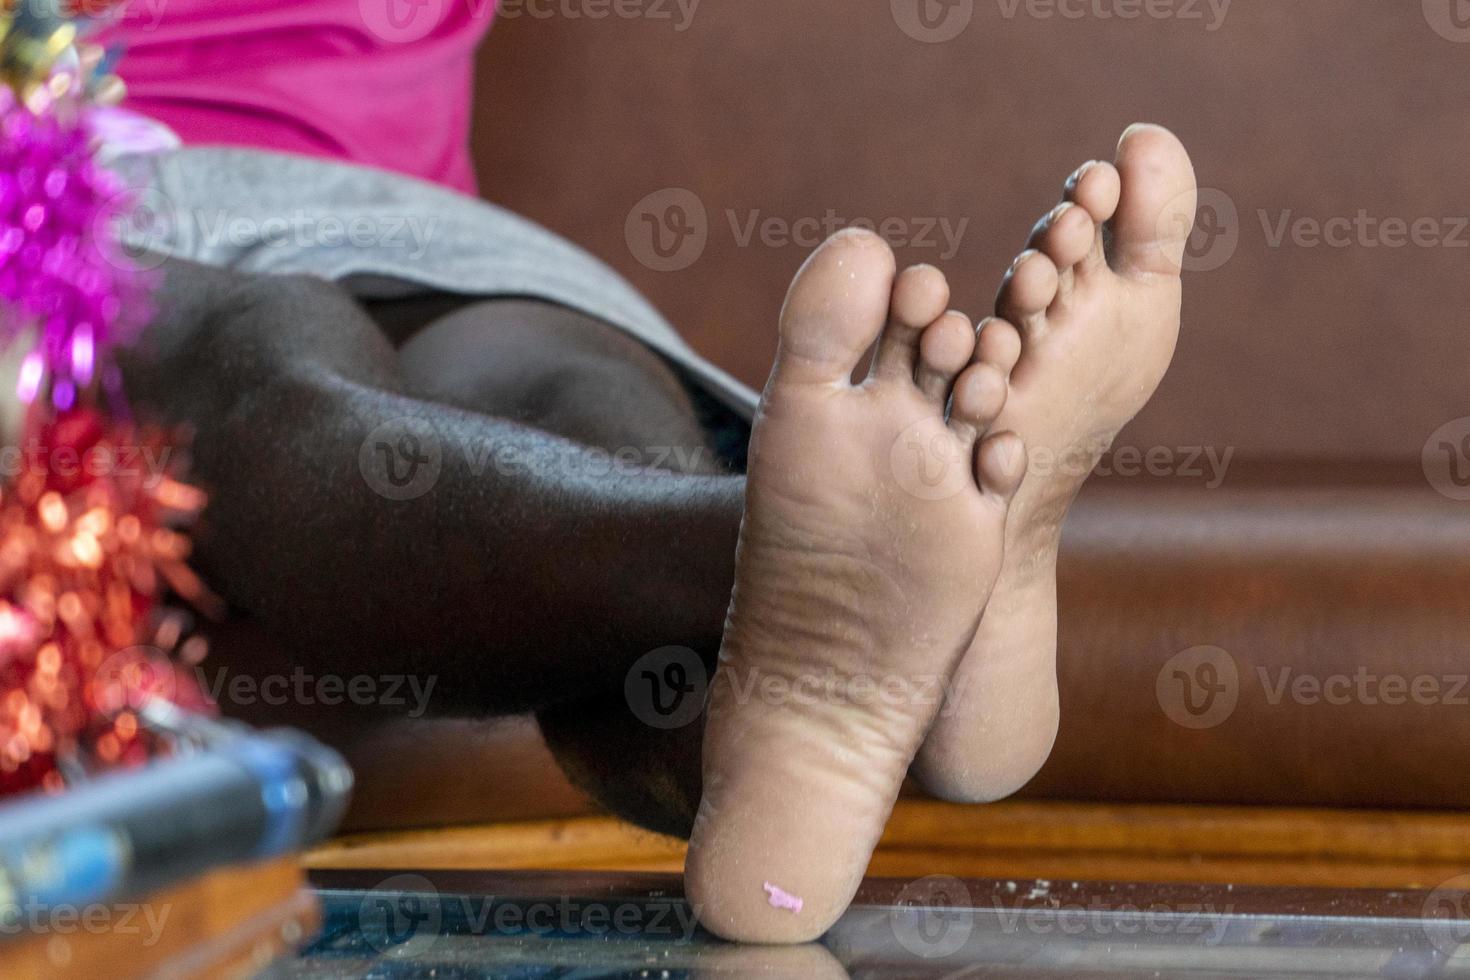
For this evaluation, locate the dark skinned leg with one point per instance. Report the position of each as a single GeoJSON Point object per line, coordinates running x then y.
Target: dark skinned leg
{"type": "Point", "coordinates": [573, 376]}
{"type": "Point", "coordinates": [517, 587]}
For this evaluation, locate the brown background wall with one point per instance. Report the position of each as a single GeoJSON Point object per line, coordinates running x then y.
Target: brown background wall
{"type": "Point", "coordinates": [1320, 108]}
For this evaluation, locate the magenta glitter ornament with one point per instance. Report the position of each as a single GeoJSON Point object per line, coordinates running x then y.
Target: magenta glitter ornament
{"type": "Point", "coordinates": [62, 271]}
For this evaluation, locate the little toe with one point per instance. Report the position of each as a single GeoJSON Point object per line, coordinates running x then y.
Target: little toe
{"type": "Point", "coordinates": [1000, 464]}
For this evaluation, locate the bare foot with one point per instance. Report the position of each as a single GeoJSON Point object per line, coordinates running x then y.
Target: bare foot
{"type": "Point", "coordinates": [854, 589]}
{"type": "Point", "coordinates": [1096, 299]}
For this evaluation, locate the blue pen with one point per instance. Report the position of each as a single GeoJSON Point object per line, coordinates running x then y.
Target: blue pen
{"type": "Point", "coordinates": [245, 797]}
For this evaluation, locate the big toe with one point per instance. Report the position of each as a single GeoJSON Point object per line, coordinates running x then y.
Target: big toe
{"type": "Point", "coordinates": [1156, 211]}
{"type": "Point", "coordinates": [836, 308]}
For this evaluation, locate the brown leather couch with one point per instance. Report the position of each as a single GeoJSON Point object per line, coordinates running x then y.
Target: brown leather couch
{"type": "Point", "coordinates": [1321, 355]}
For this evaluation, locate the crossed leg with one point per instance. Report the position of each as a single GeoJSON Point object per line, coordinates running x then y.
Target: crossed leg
{"type": "Point", "coordinates": [574, 376]}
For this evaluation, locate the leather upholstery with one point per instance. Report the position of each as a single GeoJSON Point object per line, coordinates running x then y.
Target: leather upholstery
{"type": "Point", "coordinates": [1322, 369]}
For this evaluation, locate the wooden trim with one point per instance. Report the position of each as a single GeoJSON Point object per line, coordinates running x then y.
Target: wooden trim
{"type": "Point", "coordinates": [1235, 845]}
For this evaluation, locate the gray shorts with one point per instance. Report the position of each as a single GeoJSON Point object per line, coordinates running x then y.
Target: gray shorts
{"type": "Point", "coordinates": [384, 236]}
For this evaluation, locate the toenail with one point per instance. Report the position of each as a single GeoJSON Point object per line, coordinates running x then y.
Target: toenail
{"type": "Point", "coordinates": [854, 236]}
{"type": "Point", "coordinates": [1081, 172]}
{"type": "Point", "coordinates": [1058, 211]}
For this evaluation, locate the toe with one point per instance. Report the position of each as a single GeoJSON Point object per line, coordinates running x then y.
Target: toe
{"type": "Point", "coordinates": [944, 350]}
{"type": "Point", "coordinates": [835, 309]}
{"type": "Point", "coordinates": [1095, 188]}
{"type": "Point", "coordinates": [919, 298]}
{"type": "Point", "coordinates": [998, 343]}
{"type": "Point", "coordinates": [1156, 207]}
{"type": "Point", "coordinates": [1065, 236]}
{"type": "Point", "coordinates": [1029, 289]}
{"type": "Point", "coordinates": [979, 395]}
{"type": "Point", "coordinates": [1000, 464]}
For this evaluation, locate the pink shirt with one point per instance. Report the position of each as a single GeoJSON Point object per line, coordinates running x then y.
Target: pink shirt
{"type": "Point", "coordinates": [385, 83]}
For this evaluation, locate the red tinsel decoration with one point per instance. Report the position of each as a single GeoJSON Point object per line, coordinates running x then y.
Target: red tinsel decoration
{"type": "Point", "coordinates": [89, 505]}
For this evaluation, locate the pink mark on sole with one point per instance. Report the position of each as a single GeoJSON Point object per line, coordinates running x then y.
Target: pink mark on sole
{"type": "Point", "coordinates": [782, 899]}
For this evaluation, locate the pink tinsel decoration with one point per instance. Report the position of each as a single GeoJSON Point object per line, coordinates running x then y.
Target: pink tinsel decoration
{"type": "Point", "coordinates": [60, 269]}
